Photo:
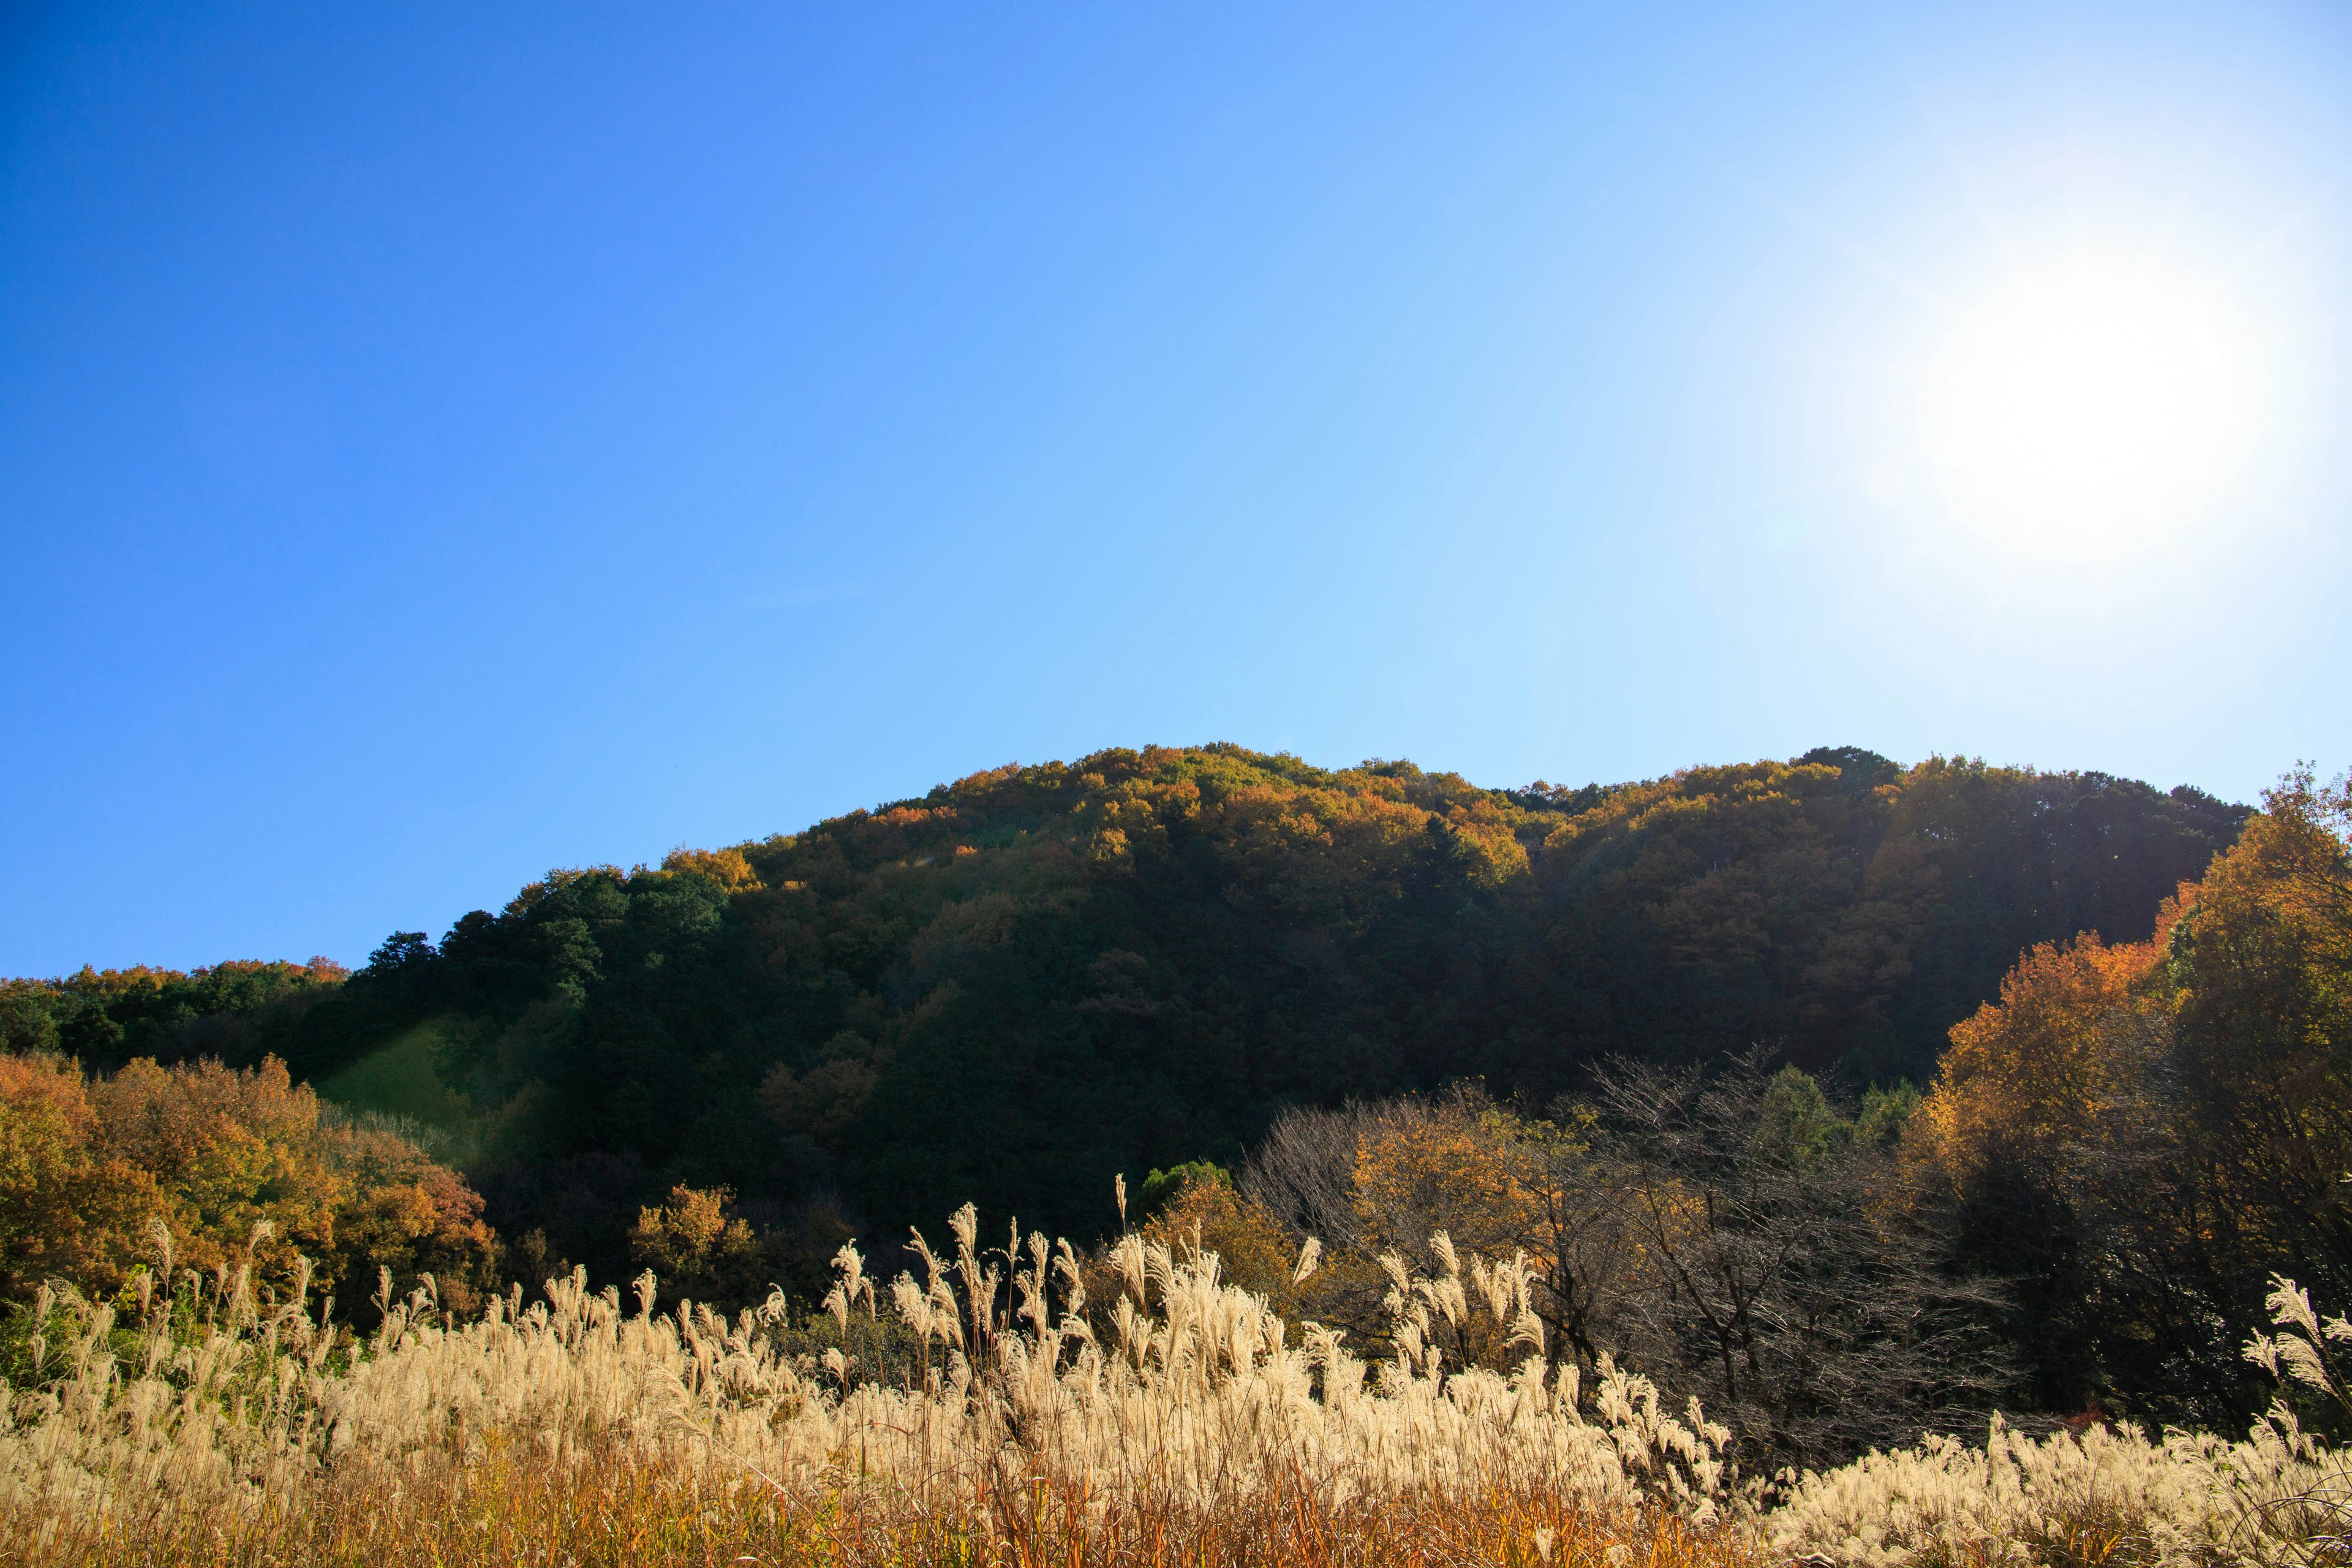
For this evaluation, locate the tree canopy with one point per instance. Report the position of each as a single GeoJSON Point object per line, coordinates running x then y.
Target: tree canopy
{"type": "Point", "coordinates": [1011, 987]}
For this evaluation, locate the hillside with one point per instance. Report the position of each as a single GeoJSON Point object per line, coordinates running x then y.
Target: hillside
{"type": "Point", "coordinates": [1016, 985]}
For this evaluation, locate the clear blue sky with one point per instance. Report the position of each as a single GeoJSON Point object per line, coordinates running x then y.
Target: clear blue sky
{"type": "Point", "coordinates": [439, 446]}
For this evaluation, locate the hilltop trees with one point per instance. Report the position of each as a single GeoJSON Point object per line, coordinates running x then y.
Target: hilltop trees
{"type": "Point", "coordinates": [238, 1010]}
{"type": "Point", "coordinates": [2118, 1151]}
{"type": "Point", "coordinates": [1025, 981]}
{"type": "Point", "coordinates": [1650, 1041]}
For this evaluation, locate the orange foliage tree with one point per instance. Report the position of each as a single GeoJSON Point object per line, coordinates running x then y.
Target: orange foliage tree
{"type": "Point", "coordinates": [90, 1168]}
{"type": "Point", "coordinates": [2142, 1133]}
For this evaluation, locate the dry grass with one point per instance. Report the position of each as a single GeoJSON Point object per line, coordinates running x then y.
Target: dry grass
{"type": "Point", "coordinates": [1196, 1428]}
{"type": "Point", "coordinates": [2100, 1498]}
{"type": "Point", "coordinates": [616, 1506]}
{"type": "Point", "coordinates": [215, 1426]}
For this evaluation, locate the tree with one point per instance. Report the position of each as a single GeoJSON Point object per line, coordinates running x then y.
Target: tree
{"type": "Point", "coordinates": [698, 1247]}
{"type": "Point", "coordinates": [2143, 1133]}
{"type": "Point", "coordinates": [1785, 1272]}
{"type": "Point", "coordinates": [67, 1209]}
{"type": "Point", "coordinates": [1729, 1231]}
{"type": "Point", "coordinates": [211, 1157]}
{"type": "Point", "coordinates": [1020, 983]}
{"type": "Point", "coordinates": [1197, 1208]}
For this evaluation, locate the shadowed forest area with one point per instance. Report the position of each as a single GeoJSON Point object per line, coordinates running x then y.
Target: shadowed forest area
{"type": "Point", "coordinates": [1958, 1085]}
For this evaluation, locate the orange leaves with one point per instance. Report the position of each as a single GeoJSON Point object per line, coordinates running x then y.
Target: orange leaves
{"type": "Point", "coordinates": [87, 1167]}
{"type": "Point", "coordinates": [1462, 1165]}
{"type": "Point", "coordinates": [2040, 1065]}
{"type": "Point", "coordinates": [2041, 1036]}
{"type": "Point", "coordinates": [693, 1221]}
{"type": "Point", "coordinates": [1324, 853]}
{"type": "Point", "coordinates": [1323, 847]}
{"type": "Point", "coordinates": [399, 1209]}
{"type": "Point", "coordinates": [1487, 844]}
{"type": "Point", "coordinates": [228, 1147]}
{"type": "Point", "coordinates": [1207, 1213]}
{"type": "Point", "coordinates": [2240, 989]}
{"type": "Point", "coordinates": [65, 1209]}
{"type": "Point", "coordinates": [1444, 1164]}
{"type": "Point", "coordinates": [45, 1099]}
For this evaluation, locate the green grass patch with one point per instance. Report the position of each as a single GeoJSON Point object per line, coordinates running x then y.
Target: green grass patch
{"type": "Point", "coordinates": [400, 1080]}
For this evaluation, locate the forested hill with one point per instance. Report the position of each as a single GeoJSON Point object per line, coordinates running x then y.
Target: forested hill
{"type": "Point", "coordinates": [1015, 986]}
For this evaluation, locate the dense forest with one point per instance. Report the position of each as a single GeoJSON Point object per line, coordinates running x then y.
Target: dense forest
{"type": "Point", "coordinates": [1024, 981]}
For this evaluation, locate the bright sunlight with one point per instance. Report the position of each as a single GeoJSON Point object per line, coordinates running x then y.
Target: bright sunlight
{"type": "Point", "coordinates": [2095, 397]}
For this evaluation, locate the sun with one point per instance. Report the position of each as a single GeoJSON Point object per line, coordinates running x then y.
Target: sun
{"type": "Point", "coordinates": [2092, 395]}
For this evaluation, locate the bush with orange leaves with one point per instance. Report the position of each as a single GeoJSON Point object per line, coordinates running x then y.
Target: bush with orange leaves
{"type": "Point", "coordinates": [90, 1166]}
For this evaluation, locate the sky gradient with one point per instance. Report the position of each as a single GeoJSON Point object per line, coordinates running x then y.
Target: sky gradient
{"type": "Point", "coordinates": [442, 445]}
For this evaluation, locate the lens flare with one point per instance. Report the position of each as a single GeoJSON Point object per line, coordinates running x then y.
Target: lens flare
{"type": "Point", "coordinates": [2094, 397]}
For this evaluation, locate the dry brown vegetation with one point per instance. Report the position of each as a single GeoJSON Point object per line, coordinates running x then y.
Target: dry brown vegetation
{"type": "Point", "coordinates": [212, 1424]}
{"type": "Point", "coordinates": [618, 1507]}
{"type": "Point", "coordinates": [216, 1425]}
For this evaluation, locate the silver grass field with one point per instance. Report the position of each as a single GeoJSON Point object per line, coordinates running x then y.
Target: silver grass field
{"type": "Point", "coordinates": [209, 1421]}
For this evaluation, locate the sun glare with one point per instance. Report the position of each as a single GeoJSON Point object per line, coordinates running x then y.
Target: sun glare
{"type": "Point", "coordinates": [2091, 399]}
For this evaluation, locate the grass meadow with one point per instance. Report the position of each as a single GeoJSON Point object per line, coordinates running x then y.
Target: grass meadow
{"type": "Point", "coordinates": [200, 1419]}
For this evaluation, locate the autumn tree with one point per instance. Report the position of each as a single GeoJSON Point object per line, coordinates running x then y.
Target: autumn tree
{"type": "Point", "coordinates": [1386, 1177]}
{"type": "Point", "coordinates": [698, 1248]}
{"type": "Point", "coordinates": [1729, 1230]}
{"type": "Point", "coordinates": [2140, 1134]}
{"type": "Point", "coordinates": [90, 1168]}
{"type": "Point", "coordinates": [1021, 982]}
{"type": "Point", "coordinates": [1196, 1207]}
{"type": "Point", "coordinates": [68, 1209]}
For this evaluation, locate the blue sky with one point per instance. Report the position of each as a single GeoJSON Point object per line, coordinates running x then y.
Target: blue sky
{"type": "Point", "coordinates": [439, 446]}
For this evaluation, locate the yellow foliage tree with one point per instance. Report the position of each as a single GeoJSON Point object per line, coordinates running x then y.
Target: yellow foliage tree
{"type": "Point", "coordinates": [2051, 1063]}
{"type": "Point", "coordinates": [697, 1246]}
